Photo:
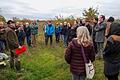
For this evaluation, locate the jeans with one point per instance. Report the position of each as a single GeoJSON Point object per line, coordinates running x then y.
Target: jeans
{"type": "Point", "coordinates": [34, 37]}
{"type": "Point", "coordinates": [100, 48]}
{"type": "Point", "coordinates": [65, 40]}
{"type": "Point", "coordinates": [78, 77]}
{"type": "Point", "coordinates": [57, 38]}
{"type": "Point", "coordinates": [28, 38]}
{"type": "Point", "coordinates": [47, 38]}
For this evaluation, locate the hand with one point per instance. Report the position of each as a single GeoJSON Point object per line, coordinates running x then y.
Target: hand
{"type": "Point", "coordinates": [19, 47]}
{"type": "Point", "coordinates": [108, 24]}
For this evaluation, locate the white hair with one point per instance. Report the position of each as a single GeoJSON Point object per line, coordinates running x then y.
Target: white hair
{"type": "Point", "coordinates": [83, 35]}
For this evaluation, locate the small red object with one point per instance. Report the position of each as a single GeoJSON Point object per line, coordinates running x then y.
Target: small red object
{"type": "Point", "coordinates": [20, 51]}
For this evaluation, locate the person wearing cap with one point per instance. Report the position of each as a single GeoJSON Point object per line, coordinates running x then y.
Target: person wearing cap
{"type": "Point", "coordinates": [12, 42]}
{"type": "Point", "coordinates": [111, 53]}
{"type": "Point", "coordinates": [49, 31]}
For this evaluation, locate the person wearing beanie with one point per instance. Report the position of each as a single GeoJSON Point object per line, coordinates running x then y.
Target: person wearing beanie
{"type": "Point", "coordinates": [109, 22]}
{"type": "Point", "coordinates": [111, 53]}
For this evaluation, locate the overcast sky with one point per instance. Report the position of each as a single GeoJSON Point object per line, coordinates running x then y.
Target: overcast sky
{"type": "Point", "coordinates": [50, 8]}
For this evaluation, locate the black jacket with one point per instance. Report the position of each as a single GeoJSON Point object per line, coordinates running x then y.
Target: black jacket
{"type": "Point", "coordinates": [111, 52]}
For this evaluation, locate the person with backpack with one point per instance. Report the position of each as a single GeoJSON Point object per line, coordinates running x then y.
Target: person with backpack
{"type": "Point", "coordinates": [49, 31]}
{"type": "Point", "coordinates": [74, 53]}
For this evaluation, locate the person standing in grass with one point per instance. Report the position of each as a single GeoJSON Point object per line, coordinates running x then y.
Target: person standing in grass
{"type": "Point", "coordinates": [71, 33]}
{"type": "Point", "coordinates": [111, 53]}
{"type": "Point", "coordinates": [57, 33]}
{"type": "Point", "coordinates": [49, 31]}
{"type": "Point", "coordinates": [2, 36]}
{"type": "Point", "coordinates": [34, 32]}
{"type": "Point", "coordinates": [12, 41]}
{"type": "Point", "coordinates": [27, 30]}
{"type": "Point", "coordinates": [64, 33]}
{"type": "Point", "coordinates": [100, 35]}
{"type": "Point", "coordinates": [21, 35]}
{"type": "Point", "coordinates": [73, 53]}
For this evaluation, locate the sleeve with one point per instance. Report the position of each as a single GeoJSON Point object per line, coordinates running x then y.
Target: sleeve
{"type": "Point", "coordinates": [53, 29]}
{"type": "Point", "coordinates": [92, 54]}
{"type": "Point", "coordinates": [99, 28]}
{"type": "Point", "coordinates": [11, 39]}
{"type": "Point", "coordinates": [68, 53]}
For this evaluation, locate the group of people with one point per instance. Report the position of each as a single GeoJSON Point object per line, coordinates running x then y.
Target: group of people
{"type": "Point", "coordinates": [13, 35]}
{"type": "Point", "coordinates": [102, 41]}
{"type": "Point", "coordinates": [98, 38]}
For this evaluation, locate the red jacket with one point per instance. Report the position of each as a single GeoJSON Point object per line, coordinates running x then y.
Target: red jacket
{"type": "Point", "coordinates": [73, 56]}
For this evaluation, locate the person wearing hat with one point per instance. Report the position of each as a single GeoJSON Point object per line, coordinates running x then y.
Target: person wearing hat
{"type": "Point", "coordinates": [12, 41]}
{"type": "Point", "coordinates": [111, 53]}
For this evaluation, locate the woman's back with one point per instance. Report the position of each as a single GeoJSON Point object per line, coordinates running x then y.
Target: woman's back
{"type": "Point", "coordinates": [76, 61]}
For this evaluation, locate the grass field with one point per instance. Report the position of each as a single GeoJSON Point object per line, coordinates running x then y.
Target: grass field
{"type": "Point", "coordinates": [45, 63]}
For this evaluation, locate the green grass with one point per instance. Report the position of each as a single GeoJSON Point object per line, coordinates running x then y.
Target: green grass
{"type": "Point", "coordinates": [43, 63]}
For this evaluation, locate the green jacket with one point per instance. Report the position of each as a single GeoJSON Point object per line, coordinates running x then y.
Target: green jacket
{"type": "Point", "coordinates": [34, 29]}
{"type": "Point", "coordinates": [11, 39]}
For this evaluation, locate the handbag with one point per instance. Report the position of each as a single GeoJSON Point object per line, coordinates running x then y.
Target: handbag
{"type": "Point", "coordinates": [89, 67]}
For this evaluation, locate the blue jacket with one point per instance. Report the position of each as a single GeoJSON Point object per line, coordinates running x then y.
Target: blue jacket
{"type": "Point", "coordinates": [49, 29]}
{"type": "Point", "coordinates": [58, 30]}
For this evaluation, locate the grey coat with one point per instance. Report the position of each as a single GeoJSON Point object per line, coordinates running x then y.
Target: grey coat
{"type": "Point", "coordinates": [100, 32]}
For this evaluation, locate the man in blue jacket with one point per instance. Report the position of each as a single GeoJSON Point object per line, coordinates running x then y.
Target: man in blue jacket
{"type": "Point", "coordinates": [49, 31]}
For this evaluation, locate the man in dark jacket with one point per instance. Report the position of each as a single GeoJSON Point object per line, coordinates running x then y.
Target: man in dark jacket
{"type": "Point", "coordinates": [12, 42]}
{"type": "Point", "coordinates": [112, 53]}
{"type": "Point", "coordinates": [64, 33]}
{"type": "Point", "coordinates": [27, 30]}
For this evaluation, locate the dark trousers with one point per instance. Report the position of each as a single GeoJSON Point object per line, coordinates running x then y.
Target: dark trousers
{"type": "Point", "coordinates": [47, 39]}
{"type": "Point", "coordinates": [1, 46]}
{"type": "Point", "coordinates": [14, 61]}
{"type": "Point", "coordinates": [57, 38]}
{"type": "Point", "coordinates": [28, 38]}
{"type": "Point", "coordinates": [112, 77]}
